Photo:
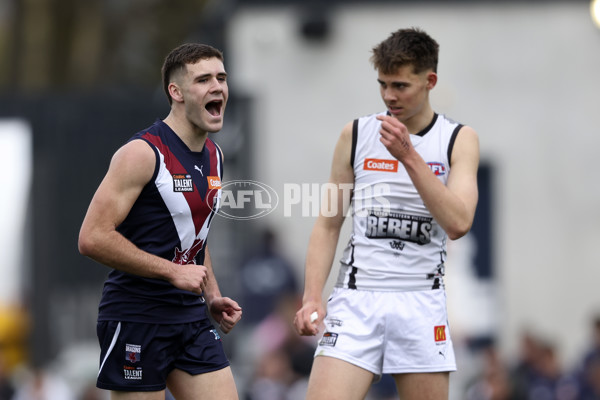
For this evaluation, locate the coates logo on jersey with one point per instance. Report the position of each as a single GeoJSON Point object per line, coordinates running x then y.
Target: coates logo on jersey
{"type": "Point", "coordinates": [438, 168]}
{"type": "Point", "coordinates": [214, 182]}
{"type": "Point", "coordinates": [376, 164]}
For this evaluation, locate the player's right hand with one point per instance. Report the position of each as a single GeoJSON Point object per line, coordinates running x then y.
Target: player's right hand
{"type": "Point", "coordinates": [190, 277]}
{"type": "Point", "coordinates": [302, 322]}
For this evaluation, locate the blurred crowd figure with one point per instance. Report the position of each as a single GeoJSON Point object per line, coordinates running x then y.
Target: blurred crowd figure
{"type": "Point", "coordinates": [266, 276]}
{"type": "Point", "coordinates": [7, 389]}
{"type": "Point", "coordinates": [39, 384]}
{"type": "Point", "coordinates": [280, 359]}
{"type": "Point", "coordinates": [537, 374]}
{"type": "Point", "coordinates": [284, 358]}
{"type": "Point", "coordinates": [45, 384]}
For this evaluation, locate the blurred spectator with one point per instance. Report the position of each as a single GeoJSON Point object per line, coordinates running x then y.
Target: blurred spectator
{"type": "Point", "coordinates": [524, 371]}
{"type": "Point", "coordinates": [266, 276]}
{"type": "Point", "coordinates": [14, 331]}
{"type": "Point", "coordinates": [283, 358]}
{"type": "Point", "coordinates": [594, 349]}
{"type": "Point", "coordinates": [493, 383]}
{"type": "Point", "coordinates": [539, 375]}
{"type": "Point", "coordinates": [590, 382]}
{"type": "Point", "coordinates": [273, 377]}
{"type": "Point", "coordinates": [546, 373]}
{"type": "Point", "coordinates": [42, 385]}
{"type": "Point", "coordinates": [384, 389]}
{"type": "Point", "coordinates": [6, 385]}
{"type": "Point", "coordinates": [589, 374]}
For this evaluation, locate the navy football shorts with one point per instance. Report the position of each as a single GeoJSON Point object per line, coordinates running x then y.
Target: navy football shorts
{"type": "Point", "coordinates": [138, 357]}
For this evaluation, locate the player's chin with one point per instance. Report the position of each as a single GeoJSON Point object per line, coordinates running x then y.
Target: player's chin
{"type": "Point", "coordinates": [214, 127]}
{"type": "Point", "coordinates": [212, 123]}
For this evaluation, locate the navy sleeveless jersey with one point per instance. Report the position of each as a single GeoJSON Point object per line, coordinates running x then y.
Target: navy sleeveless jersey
{"type": "Point", "coordinates": [170, 219]}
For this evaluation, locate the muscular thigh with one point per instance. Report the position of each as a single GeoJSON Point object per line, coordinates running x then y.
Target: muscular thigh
{"type": "Point", "coordinates": [335, 379]}
{"type": "Point", "coordinates": [423, 386]}
{"type": "Point", "coordinates": [215, 385]}
{"type": "Point", "coordinates": [155, 395]}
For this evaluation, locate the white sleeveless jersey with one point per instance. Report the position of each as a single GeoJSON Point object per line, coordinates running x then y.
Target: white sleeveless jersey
{"type": "Point", "coordinates": [396, 244]}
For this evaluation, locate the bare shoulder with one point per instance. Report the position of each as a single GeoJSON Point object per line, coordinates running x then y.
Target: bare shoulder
{"type": "Point", "coordinates": [344, 143]}
{"type": "Point", "coordinates": [466, 145]}
{"type": "Point", "coordinates": [133, 161]}
{"type": "Point", "coordinates": [347, 131]}
{"type": "Point", "coordinates": [468, 132]}
{"type": "Point", "coordinates": [468, 135]}
{"type": "Point", "coordinates": [134, 152]}
{"type": "Point", "coordinates": [131, 168]}
{"type": "Point", "coordinates": [342, 170]}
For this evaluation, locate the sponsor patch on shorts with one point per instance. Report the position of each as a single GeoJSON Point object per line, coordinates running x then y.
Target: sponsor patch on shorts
{"type": "Point", "coordinates": [133, 353]}
{"type": "Point", "coordinates": [216, 333]}
{"type": "Point", "coordinates": [439, 333]}
{"type": "Point", "coordinates": [334, 322]}
{"type": "Point", "coordinates": [132, 373]}
{"type": "Point", "coordinates": [328, 339]}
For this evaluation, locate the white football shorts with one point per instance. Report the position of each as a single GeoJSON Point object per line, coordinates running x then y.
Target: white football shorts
{"type": "Point", "coordinates": [388, 332]}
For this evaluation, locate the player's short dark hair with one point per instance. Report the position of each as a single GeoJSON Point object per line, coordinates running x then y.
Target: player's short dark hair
{"type": "Point", "coordinates": [188, 53]}
{"type": "Point", "coordinates": [403, 47]}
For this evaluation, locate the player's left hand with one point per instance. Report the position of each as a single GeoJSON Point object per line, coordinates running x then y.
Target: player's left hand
{"type": "Point", "coordinates": [395, 137]}
{"type": "Point", "coordinates": [226, 312]}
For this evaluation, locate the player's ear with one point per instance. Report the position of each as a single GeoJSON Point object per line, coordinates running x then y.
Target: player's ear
{"type": "Point", "coordinates": [431, 80]}
{"type": "Point", "coordinates": [175, 92]}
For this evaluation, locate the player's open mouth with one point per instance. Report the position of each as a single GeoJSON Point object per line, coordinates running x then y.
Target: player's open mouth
{"type": "Point", "coordinates": [214, 107]}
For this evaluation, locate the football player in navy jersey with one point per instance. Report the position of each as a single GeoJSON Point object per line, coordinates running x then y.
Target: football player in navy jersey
{"type": "Point", "coordinates": [149, 221]}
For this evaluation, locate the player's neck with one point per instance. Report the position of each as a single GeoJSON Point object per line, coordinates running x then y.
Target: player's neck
{"type": "Point", "coordinates": [191, 135]}
{"type": "Point", "coordinates": [418, 122]}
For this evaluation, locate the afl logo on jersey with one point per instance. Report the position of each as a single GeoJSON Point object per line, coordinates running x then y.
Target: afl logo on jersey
{"type": "Point", "coordinates": [438, 168]}
{"type": "Point", "coordinates": [374, 164]}
{"type": "Point", "coordinates": [182, 183]}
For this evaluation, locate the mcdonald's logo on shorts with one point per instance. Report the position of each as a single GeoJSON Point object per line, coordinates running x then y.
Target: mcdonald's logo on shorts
{"type": "Point", "coordinates": [439, 332]}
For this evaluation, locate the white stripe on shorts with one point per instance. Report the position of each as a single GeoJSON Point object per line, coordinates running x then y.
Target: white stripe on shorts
{"type": "Point", "coordinates": [112, 345]}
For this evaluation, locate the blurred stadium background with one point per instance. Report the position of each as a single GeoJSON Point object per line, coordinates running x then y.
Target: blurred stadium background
{"type": "Point", "coordinates": [78, 78]}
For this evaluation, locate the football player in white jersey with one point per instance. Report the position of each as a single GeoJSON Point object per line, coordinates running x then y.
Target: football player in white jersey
{"type": "Point", "coordinates": [415, 184]}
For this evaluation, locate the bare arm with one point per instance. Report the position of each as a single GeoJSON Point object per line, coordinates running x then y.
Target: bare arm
{"type": "Point", "coordinates": [131, 168]}
{"type": "Point", "coordinates": [452, 205]}
{"type": "Point", "coordinates": [224, 310]}
{"type": "Point", "coordinates": [324, 237]}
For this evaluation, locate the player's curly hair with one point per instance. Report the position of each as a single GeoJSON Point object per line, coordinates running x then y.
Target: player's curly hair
{"type": "Point", "coordinates": [188, 53]}
{"type": "Point", "coordinates": [410, 46]}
